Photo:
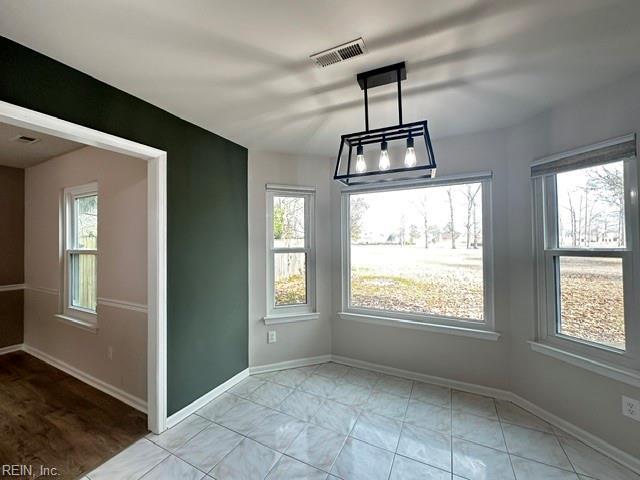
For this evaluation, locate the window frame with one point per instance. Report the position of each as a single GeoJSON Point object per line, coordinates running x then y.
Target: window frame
{"type": "Point", "coordinates": [306, 311]}
{"type": "Point", "coordinates": [73, 313]}
{"type": "Point", "coordinates": [547, 250]}
{"type": "Point", "coordinates": [488, 323]}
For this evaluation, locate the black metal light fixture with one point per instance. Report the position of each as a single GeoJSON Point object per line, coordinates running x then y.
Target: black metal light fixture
{"type": "Point", "coordinates": [363, 173]}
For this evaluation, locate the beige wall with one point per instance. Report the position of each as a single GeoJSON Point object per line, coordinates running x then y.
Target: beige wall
{"type": "Point", "coordinates": [440, 354]}
{"type": "Point", "coordinates": [586, 399]}
{"type": "Point", "coordinates": [122, 266]}
{"type": "Point", "coordinates": [567, 391]}
{"type": "Point", "coordinates": [296, 340]}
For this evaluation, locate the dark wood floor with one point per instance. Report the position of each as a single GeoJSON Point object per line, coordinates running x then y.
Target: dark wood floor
{"type": "Point", "coordinates": [49, 418]}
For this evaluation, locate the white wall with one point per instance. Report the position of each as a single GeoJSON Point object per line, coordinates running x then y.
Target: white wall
{"type": "Point", "coordinates": [122, 265]}
{"type": "Point", "coordinates": [296, 340]}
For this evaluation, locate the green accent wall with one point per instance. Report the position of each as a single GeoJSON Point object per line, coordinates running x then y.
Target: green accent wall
{"type": "Point", "coordinates": [207, 265]}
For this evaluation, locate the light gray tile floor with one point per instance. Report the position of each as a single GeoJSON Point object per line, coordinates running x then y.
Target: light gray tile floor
{"type": "Point", "coordinates": [331, 421]}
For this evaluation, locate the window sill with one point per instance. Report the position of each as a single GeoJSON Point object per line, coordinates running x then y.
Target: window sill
{"type": "Point", "coordinates": [430, 327]}
{"type": "Point", "coordinates": [292, 318]}
{"type": "Point", "coordinates": [76, 322]}
{"type": "Point", "coordinates": [630, 377]}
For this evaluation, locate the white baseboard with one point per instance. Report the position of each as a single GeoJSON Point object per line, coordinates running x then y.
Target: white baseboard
{"type": "Point", "coordinates": [585, 437]}
{"type": "Point", "coordinates": [589, 439]}
{"type": "Point", "coordinates": [421, 377]}
{"type": "Point", "coordinates": [11, 348]}
{"type": "Point", "coordinates": [105, 387]}
{"type": "Point", "coordinates": [300, 362]}
{"type": "Point", "coordinates": [206, 398]}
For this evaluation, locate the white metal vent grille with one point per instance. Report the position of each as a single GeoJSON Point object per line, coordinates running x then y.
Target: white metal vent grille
{"type": "Point", "coordinates": [340, 53]}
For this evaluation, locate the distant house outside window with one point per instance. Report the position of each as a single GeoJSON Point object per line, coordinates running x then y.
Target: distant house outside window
{"type": "Point", "coordinates": [420, 252]}
{"type": "Point", "coordinates": [586, 230]}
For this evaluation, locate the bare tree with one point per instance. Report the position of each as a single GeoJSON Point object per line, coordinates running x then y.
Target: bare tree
{"type": "Point", "coordinates": [414, 234]}
{"type": "Point", "coordinates": [422, 207]}
{"type": "Point", "coordinates": [470, 194]}
{"type": "Point", "coordinates": [608, 181]}
{"type": "Point", "coordinates": [476, 226]}
{"type": "Point", "coordinates": [402, 231]}
{"type": "Point", "coordinates": [450, 228]}
{"type": "Point", "coordinates": [572, 217]}
{"type": "Point", "coordinates": [357, 209]}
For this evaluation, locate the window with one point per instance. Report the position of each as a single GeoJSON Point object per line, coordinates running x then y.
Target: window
{"type": "Point", "coordinates": [291, 251]}
{"type": "Point", "coordinates": [79, 299]}
{"type": "Point", "coordinates": [586, 228]}
{"type": "Point", "coordinates": [420, 251]}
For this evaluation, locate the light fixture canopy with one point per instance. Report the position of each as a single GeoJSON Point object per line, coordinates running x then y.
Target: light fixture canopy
{"type": "Point", "coordinates": [412, 168]}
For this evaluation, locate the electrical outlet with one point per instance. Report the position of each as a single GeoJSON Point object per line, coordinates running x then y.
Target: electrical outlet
{"type": "Point", "coordinates": [110, 352]}
{"type": "Point", "coordinates": [631, 408]}
{"type": "Point", "coordinates": [271, 337]}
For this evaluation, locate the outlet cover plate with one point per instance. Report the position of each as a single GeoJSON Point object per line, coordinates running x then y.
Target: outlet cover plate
{"type": "Point", "coordinates": [271, 337]}
{"type": "Point", "coordinates": [631, 408]}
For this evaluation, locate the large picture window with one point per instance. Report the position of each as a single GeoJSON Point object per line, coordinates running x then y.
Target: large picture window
{"type": "Point", "coordinates": [291, 251]}
{"type": "Point", "coordinates": [420, 251]}
{"type": "Point", "coordinates": [586, 226]}
{"type": "Point", "coordinates": [80, 262]}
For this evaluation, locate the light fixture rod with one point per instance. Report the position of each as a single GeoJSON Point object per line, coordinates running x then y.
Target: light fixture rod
{"type": "Point", "coordinates": [366, 106]}
{"type": "Point", "coordinates": [399, 80]}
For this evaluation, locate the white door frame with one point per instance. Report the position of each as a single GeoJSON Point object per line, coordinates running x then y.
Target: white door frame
{"type": "Point", "coordinates": [156, 238]}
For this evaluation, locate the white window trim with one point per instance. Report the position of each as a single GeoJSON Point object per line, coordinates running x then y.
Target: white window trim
{"type": "Point", "coordinates": [608, 361]}
{"type": "Point", "coordinates": [459, 326]}
{"type": "Point", "coordinates": [292, 313]}
{"type": "Point", "coordinates": [76, 316]}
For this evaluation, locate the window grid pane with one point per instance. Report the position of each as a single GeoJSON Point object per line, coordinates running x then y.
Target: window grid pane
{"type": "Point", "coordinates": [85, 232]}
{"type": "Point", "coordinates": [591, 209]}
{"type": "Point", "coordinates": [591, 299]}
{"type": "Point", "coordinates": [418, 251]}
{"type": "Point", "coordinates": [289, 222]}
{"type": "Point", "coordinates": [83, 267]}
{"type": "Point", "coordinates": [290, 279]}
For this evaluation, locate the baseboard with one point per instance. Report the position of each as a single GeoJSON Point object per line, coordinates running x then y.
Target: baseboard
{"type": "Point", "coordinates": [11, 348]}
{"type": "Point", "coordinates": [421, 377]}
{"type": "Point", "coordinates": [585, 437]}
{"type": "Point", "coordinates": [206, 398]}
{"type": "Point", "coordinates": [105, 387]}
{"type": "Point", "coordinates": [300, 362]}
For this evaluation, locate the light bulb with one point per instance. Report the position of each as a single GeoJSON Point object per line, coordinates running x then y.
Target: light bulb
{"type": "Point", "coordinates": [384, 163]}
{"type": "Point", "coordinates": [361, 165]}
{"type": "Point", "coordinates": [410, 156]}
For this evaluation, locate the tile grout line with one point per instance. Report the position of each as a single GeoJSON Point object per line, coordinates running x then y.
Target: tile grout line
{"type": "Point", "coordinates": [451, 429]}
{"type": "Point", "coordinates": [559, 440]}
{"type": "Point", "coordinates": [504, 439]}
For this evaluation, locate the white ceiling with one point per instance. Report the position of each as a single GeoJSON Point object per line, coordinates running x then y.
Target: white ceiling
{"type": "Point", "coordinates": [24, 155]}
{"type": "Point", "coordinates": [240, 68]}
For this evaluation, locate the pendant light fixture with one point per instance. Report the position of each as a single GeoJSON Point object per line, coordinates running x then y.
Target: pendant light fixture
{"type": "Point", "coordinates": [361, 165]}
{"type": "Point", "coordinates": [388, 168]}
{"type": "Point", "coordinates": [410, 154]}
{"type": "Point", "coordinates": [384, 163]}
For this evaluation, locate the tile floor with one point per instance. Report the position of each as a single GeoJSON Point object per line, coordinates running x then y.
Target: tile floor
{"type": "Point", "coordinates": [331, 421]}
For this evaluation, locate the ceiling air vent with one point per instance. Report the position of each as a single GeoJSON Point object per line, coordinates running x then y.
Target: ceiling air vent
{"type": "Point", "coordinates": [340, 53]}
{"type": "Point", "coordinates": [24, 139]}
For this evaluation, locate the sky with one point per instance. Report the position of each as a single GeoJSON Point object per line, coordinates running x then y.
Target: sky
{"type": "Point", "coordinates": [386, 209]}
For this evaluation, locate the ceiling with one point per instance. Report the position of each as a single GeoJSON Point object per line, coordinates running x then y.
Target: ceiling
{"type": "Point", "coordinates": [24, 155]}
{"type": "Point", "coordinates": [240, 68]}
